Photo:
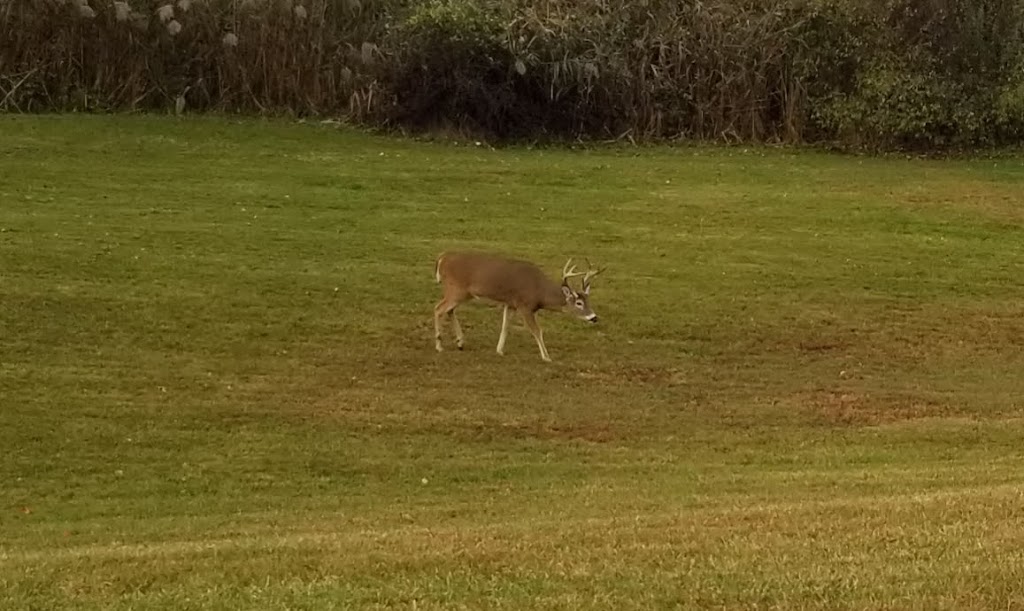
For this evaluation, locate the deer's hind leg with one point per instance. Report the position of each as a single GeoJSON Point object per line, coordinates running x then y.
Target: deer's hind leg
{"type": "Point", "coordinates": [440, 310]}
{"type": "Point", "coordinates": [458, 328]}
{"type": "Point", "coordinates": [446, 307]}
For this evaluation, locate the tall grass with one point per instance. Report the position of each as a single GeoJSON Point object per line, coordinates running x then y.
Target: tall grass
{"type": "Point", "coordinates": [890, 73]}
{"type": "Point", "coordinates": [305, 58]}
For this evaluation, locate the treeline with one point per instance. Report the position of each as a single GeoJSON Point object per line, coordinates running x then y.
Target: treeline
{"type": "Point", "coordinates": [873, 73]}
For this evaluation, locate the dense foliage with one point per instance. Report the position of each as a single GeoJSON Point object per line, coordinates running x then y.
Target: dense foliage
{"type": "Point", "coordinates": [873, 73]}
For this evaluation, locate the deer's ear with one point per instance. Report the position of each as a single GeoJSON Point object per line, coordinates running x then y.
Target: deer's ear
{"type": "Point", "coordinates": [569, 295]}
{"type": "Point", "coordinates": [586, 289]}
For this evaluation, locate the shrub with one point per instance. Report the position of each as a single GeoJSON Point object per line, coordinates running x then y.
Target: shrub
{"type": "Point", "coordinates": [448, 63]}
{"type": "Point", "coordinates": [925, 74]}
{"type": "Point", "coordinates": [876, 73]}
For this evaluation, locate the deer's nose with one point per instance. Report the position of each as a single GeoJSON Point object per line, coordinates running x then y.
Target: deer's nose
{"type": "Point", "coordinates": [592, 318]}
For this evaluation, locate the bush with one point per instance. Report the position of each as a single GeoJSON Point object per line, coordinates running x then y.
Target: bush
{"type": "Point", "coordinates": [925, 74]}
{"type": "Point", "coordinates": [448, 64]}
{"type": "Point", "coordinates": [874, 73]}
{"type": "Point", "coordinates": [594, 68]}
{"type": "Point", "coordinates": [1009, 110]}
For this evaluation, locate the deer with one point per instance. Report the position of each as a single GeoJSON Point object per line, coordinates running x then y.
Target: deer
{"type": "Point", "coordinates": [516, 284]}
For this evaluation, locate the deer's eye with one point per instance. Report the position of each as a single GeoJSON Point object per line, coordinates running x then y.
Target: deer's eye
{"type": "Point", "coordinates": [579, 303]}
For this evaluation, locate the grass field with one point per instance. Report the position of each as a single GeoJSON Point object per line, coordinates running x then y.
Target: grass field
{"type": "Point", "coordinates": [219, 388]}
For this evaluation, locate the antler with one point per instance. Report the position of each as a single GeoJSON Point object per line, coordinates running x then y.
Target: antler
{"type": "Point", "coordinates": [570, 272]}
{"type": "Point", "coordinates": [590, 273]}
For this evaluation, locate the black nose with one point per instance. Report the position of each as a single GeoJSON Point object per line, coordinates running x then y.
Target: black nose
{"type": "Point", "coordinates": [593, 320]}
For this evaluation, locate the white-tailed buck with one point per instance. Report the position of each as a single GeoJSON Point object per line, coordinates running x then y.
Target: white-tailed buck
{"type": "Point", "coordinates": [516, 284]}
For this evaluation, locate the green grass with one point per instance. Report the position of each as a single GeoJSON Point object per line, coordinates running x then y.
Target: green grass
{"type": "Point", "coordinates": [219, 388]}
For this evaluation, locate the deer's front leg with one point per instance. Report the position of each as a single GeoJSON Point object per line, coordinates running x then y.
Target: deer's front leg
{"type": "Point", "coordinates": [504, 331]}
{"type": "Point", "coordinates": [531, 322]}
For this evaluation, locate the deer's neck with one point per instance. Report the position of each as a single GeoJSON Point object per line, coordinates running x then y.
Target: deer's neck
{"type": "Point", "coordinates": [552, 299]}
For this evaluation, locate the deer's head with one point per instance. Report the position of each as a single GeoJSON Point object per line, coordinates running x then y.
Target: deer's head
{"type": "Point", "coordinates": [578, 302]}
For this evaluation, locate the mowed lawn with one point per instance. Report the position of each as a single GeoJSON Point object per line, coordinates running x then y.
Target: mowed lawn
{"type": "Point", "coordinates": [218, 387]}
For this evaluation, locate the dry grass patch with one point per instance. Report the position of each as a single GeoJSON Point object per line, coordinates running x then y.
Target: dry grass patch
{"type": "Point", "coordinates": [851, 408]}
{"type": "Point", "coordinates": [991, 200]}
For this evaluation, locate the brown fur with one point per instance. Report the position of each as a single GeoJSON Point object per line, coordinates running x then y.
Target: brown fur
{"type": "Point", "coordinates": [519, 285]}
{"type": "Point", "coordinates": [516, 283]}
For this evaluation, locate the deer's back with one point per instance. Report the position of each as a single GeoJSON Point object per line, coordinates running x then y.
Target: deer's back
{"type": "Point", "coordinates": [489, 276]}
